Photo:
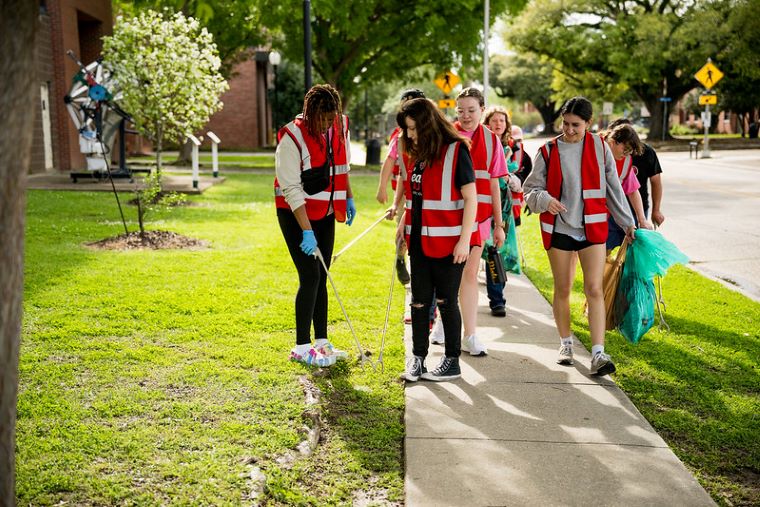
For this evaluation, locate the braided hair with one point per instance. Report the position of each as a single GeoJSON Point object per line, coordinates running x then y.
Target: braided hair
{"type": "Point", "coordinates": [320, 102]}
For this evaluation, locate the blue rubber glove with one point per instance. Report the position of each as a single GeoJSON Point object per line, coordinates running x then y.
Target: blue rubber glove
{"type": "Point", "coordinates": [350, 210]}
{"type": "Point", "coordinates": [309, 242]}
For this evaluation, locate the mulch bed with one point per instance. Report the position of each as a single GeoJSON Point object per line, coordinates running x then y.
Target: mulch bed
{"type": "Point", "coordinates": [153, 240]}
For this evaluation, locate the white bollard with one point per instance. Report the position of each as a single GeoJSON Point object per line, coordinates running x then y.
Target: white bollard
{"type": "Point", "coordinates": [196, 143]}
{"type": "Point", "coordinates": [214, 153]}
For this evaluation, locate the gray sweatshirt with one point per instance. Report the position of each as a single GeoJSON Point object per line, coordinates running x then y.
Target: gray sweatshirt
{"type": "Point", "coordinates": [570, 222]}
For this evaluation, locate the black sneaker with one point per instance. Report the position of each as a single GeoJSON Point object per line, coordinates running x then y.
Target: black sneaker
{"type": "Point", "coordinates": [499, 311]}
{"type": "Point", "coordinates": [415, 368]}
{"type": "Point", "coordinates": [447, 369]}
{"type": "Point", "coordinates": [402, 272]}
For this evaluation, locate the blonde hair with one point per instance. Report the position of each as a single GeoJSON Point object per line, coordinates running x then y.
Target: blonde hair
{"type": "Point", "coordinates": [490, 112]}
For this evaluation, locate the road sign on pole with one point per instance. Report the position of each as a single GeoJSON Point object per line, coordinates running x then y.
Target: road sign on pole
{"type": "Point", "coordinates": [447, 103]}
{"type": "Point", "coordinates": [709, 75]}
{"type": "Point", "coordinates": [446, 81]}
{"type": "Point", "coordinates": [710, 99]}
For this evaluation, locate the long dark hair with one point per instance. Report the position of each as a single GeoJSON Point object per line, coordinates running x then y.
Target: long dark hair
{"type": "Point", "coordinates": [579, 106]}
{"type": "Point", "coordinates": [319, 101]}
{"type": "Point", "coordinates": [434, 131]}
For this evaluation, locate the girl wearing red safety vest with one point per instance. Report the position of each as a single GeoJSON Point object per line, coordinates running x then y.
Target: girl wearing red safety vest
{"type": "Point", "coordinates": [489, 164]}
{"type": "Point", "coordinates": [438, 227]}
{"type": "Point", "coordinates": [390, 170]}
{"type": "Point", "coordinates": [624, 142]}
{"type": "Point", "coordinates": [573, 185]}
{"type": "Point", "coordinates": [312, 191]}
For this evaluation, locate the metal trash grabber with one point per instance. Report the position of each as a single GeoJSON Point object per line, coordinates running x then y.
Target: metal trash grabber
{"type": "Point", "coordinates": [360, 236]}
{"type": "Point", "coordinates": [660, 301]}
{"type": "Point", "coordinates": [362, 355]}
{"type": "Point", "coordinates": [387, 312]}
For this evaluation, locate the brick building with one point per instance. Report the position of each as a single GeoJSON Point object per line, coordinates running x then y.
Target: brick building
{"type": "Point", "coordinates": [76, 25]}
{"type": "Point", "coordinates": [245, 122]}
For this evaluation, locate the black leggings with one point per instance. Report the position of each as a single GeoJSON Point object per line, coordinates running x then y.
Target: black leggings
{"type": "Point", "coordinates": [311, 298]}
{"type": "Point", "coordinates": [439, 278]}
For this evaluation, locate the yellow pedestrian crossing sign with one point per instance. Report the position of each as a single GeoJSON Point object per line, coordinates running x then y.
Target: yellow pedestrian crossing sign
{"type": "Point", "coordinates": [708, 75]}
{"type": "Point", "coordinates": [447, 103]}
{"type": "Point", "coordinates": [446, 81]}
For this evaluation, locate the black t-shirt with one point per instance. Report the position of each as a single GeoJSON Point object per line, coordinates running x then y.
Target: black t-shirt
{"type": "Point", "coordinates": [463, 175]}
{"type": "Point", "coordinates": [647, 165]}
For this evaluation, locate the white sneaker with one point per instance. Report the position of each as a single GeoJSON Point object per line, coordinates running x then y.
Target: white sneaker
{"type": "Point", "coordinates": [436, 334]}
{"type": "Point", "coordinates": [472, 345]}
{"type": "Point", "coordinates": [565, 354]}
{"type": "Point", "coordinates": [601, 364]}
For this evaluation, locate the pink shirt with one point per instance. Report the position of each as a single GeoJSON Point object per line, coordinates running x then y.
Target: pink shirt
{"type": "Point", "coordinates": [631, 183]}
{"type": "Point", "coordinates": [393, 148]}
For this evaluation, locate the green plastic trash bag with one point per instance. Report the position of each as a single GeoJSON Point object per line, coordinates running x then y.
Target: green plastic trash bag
{"type": "Point", "coordinates": [648, 256]}
{"type": "Point", "coordinates": [635, 300]}
{"type": "Point", "coordinates": [651, 254]}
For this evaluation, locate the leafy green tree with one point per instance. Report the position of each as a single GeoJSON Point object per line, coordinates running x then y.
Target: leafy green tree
{"type": "Point", "coordinates": [235, 25]}
{"type": "Point", "coordinates": [526, 78]}
{"type": "Point", "coordinates": [652, 46]}
{"type": "Point", "coordinates": [168, 74]}
{"type": "Point", "coordinates": [739, 90]}
{"type": "Point", "coordinates": [381, 40]}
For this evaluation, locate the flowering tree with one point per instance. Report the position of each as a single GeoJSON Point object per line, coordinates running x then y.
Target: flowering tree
{"type": "Point", "coordinates": [167, 70]}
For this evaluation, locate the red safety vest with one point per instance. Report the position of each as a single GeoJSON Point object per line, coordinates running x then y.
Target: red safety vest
{"type": "Point", "coordinates": [314, 154]}
{"type": "Point", "coordinates": [442, 205]}
{"type": "Point", "coordinates": [592, 182]}
{"type": "Point", "coordinates": [623, 167]}
{"type": "Point", "coordinates": [518, 198]}
{"type": "Point", "coordinates": [484, 142]}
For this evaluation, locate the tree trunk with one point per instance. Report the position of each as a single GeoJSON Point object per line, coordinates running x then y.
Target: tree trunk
{"type": "Point", "coordinates": [548, 115]}
{"type": "Point", "coordinates": [159, 140]}
{"type": "Point", "coordinates": [185, 156]}
{"type": "Point", "coordinates": [657, 110]}
{"type": "Point", "coordinates": [18, 24]}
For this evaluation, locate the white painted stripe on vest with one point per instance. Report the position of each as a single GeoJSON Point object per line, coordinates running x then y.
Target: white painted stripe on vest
{"type": "Point", "coordinates": [546, 227]}
{"type": "Point", "coordinates": [440, 231]}
{"type": "Point", "coordinates": [484, 198]}
{"type": "Point", "coordinates": [483, 175]}
{"type": "Point", "coordinates": [593, 194]}
{"type": "Point", "coordinates": [599, 149]}
{"type": "Point", "coordinates": [278, 191]}
{"type": "Point", "coordinates": [595, 219]}
{"type": "Point", "coordinates": [342, 169]}
{"type": "Point", "coordinates": [626, 167]}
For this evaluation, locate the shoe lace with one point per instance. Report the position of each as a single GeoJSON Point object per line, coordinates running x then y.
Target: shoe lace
{"type": "Point", "coordinates": [566, 350]}
{"type": "Point", "coordinates": [444, 364]}
{"type": "Point", "coordinates": [414, 363]}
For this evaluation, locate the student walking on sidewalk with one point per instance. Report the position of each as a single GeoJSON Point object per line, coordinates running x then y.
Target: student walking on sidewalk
{"type": "Point", "coordinates": [489, 164]}
{"type": "Point", "coordinates": [438, 227]}
{"type": "Point", "coordinates": [573, 185]}
{"type": "Point", "coordinates": [312, 192]}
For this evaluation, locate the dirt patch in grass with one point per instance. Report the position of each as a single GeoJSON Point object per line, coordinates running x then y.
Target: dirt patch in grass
{"type": "Point", "coordinates": [153, 240]}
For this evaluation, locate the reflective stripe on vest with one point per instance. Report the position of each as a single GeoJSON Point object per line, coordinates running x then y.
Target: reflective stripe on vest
{"type": "Point", "coordinates": [593, 185]}
{"type": "Point", "coordinates": [623, 167]}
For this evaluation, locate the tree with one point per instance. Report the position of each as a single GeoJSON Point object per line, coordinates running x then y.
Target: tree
{"type": "Point", "coordinates": [18, 24]}
{"type": "Point", "coordinates": [380, 40]}
{"type": "Point", "coordinates": [652, 46]}
{"type": "Point", "coordinates": [527, 78]}
{"type": "Point", "coordinates": [167, 71]}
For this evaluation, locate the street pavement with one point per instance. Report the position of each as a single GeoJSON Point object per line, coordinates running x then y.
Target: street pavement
{"type": "Point", "coordinates": [518, 429]}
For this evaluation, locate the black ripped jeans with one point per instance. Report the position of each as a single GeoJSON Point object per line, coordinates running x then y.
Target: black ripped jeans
{"type": "Point", "coordinates": [311, 298]}
{"type": "Point", "coordinates": [439, 277]}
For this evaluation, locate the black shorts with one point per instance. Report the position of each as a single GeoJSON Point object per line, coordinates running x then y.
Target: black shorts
{"type": "Point", "coordinates": [564, 242]}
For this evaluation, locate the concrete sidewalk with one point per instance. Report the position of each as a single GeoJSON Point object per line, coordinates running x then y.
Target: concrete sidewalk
{"type": "Point", "coordinates": [519, 429]}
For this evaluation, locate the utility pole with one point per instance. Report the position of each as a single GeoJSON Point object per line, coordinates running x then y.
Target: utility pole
{"type": "Point", "coordinates": [307, 44]}
{"type": "Point", "coordinates": [485, 49]}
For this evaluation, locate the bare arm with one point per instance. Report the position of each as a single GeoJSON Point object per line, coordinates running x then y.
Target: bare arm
{"type": "Point", "coordinates": [657, 217]}
{"type": "Point", "coordinates": [638, 207]}
{"type": "Point", "coordinates": [498, 224]}
{"type": "Point", "coordinates": [462, 248]}
{"type": "Point", "coordinates": [385, 176]}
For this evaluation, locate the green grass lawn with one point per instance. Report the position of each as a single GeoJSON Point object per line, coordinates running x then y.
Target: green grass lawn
{"type": "Point", "coordinates": [699, 384]}
{"type": "Point", "coordinates": [158, 377]}
{"type": "Point", "coordinates": [245, 161]}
